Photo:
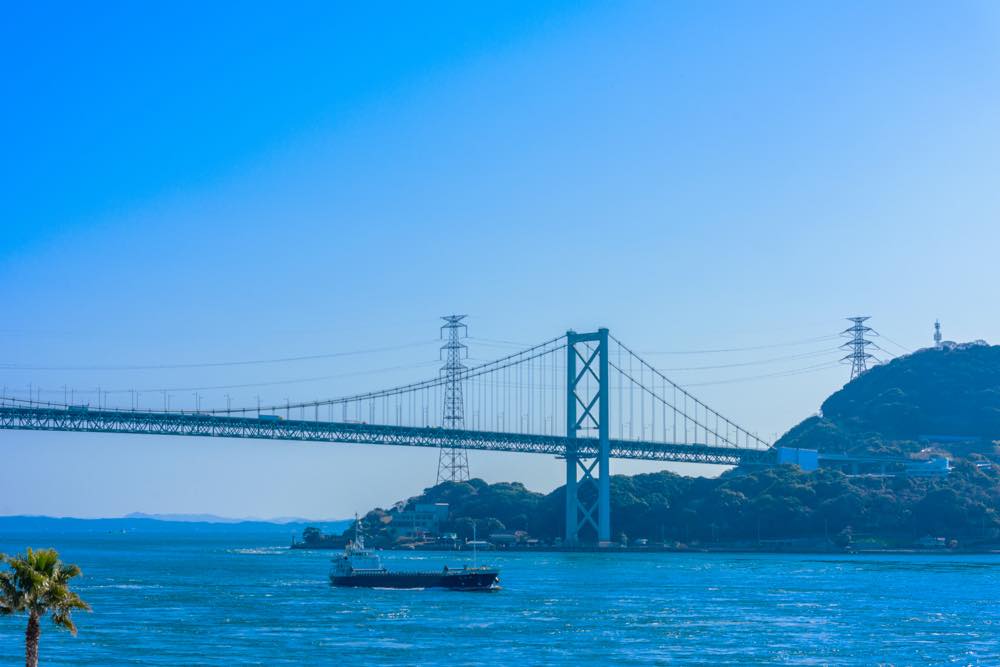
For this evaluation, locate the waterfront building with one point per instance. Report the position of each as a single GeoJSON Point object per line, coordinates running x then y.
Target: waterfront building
{"type": "Point", "coordinates": [424, 519]}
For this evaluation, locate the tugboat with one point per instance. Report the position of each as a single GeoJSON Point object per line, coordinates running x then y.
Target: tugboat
{"type": "Point", "coordinates": [360, 568]}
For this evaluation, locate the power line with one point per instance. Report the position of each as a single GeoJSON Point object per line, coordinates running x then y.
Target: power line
{"type": "Point", "coordinates": [790, 357]}
{"type": "Point", "coordinates": [777, 374]}
{"type": "Point", "coordinates": [902, 347]}
{"type": "Point", "coordinates": [217, 364]}
{"type": "Point", "coordinates": [802, 341]}
{"type": "Point", "coordinates": [423, 364]}
{"type": "Point", "coordinates": [498, 343]}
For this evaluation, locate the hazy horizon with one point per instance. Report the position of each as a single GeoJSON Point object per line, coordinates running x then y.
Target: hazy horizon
{"type": "Point", "coordinates": [184, 518]}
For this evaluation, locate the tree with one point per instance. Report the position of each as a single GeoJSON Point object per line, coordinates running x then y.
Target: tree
{"type": "Point", "coordinates": [38, 584]}
{"type": "Point", "coordinates": [312, 535]}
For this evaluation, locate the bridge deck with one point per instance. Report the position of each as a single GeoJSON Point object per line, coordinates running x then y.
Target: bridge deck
{"type": "Point", "coordinates": [180, 424]}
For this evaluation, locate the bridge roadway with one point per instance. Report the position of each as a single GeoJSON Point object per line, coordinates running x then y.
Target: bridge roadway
{"type": "Point", "coordinates": [186, 424]}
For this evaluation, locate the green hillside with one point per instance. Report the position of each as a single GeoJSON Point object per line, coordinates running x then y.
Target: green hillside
{"type": "Point", "coordinates": [938, 397]}
{"type": "Point", "coordinates": [772, 504]}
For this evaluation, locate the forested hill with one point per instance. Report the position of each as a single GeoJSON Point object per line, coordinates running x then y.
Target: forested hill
{"type": "Point", "coordinates": [933, 395]}
{"type": "Point", "coordinates": [769, 504]}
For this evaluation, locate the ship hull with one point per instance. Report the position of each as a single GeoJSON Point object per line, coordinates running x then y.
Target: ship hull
{"type": "Point", "coordinates": [458, 580]}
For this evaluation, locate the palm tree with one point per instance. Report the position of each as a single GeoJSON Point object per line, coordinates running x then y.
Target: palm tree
{"type": "Point", "coordinates": [38, 584]}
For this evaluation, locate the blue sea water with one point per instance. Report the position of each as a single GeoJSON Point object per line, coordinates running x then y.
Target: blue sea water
{"type": "Point", "coordinates": [191, 596]}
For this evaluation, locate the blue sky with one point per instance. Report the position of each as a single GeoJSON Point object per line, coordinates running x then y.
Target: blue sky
{"type": "Point", "coordinates": [190, 184]}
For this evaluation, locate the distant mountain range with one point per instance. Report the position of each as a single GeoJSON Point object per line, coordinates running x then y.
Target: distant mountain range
{"type": "Point", "coordinates": [212, 518]}
{"type": "Point", "coordinates": [201, 523]}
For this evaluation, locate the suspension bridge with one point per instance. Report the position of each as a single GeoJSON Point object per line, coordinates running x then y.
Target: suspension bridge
{"type": "Point", "coordinates": [583, 397]}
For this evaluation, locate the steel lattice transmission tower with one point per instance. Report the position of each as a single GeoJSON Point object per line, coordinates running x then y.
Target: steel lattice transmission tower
{"type": "Point", "coordinates": [858, 345]}
{"type": "Point", "coordinates": [453, 460]}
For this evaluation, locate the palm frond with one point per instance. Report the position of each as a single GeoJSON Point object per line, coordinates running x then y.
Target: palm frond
{"type": "Point", "coordinates": [38, 582]}
{"type": "Point", "coordinates": [69, 570]}
{"type": "Point", "coordinates": [63, 620]}
{"type": "Point", "coordinates": [10, 598]}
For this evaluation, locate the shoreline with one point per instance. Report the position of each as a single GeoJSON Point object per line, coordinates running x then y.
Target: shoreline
{"type": "Point", "coordinates": [734, 549]}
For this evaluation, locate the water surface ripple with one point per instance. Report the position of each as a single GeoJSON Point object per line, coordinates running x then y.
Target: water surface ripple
{"type": "Point", "coordinates": [194, 598]}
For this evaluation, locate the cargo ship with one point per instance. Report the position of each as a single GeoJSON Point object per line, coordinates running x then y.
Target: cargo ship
{"type": "Point", "coordinates": [358, 567]}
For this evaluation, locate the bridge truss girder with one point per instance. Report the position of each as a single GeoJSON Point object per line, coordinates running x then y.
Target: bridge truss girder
{"type": "Point", "coordinates": [201, 425]}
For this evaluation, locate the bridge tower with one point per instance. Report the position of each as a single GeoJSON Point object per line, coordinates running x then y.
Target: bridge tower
{"type": "Point", "coordinates": [453, 460]}
{"type": "Point", "coordinates": [587, 410]}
